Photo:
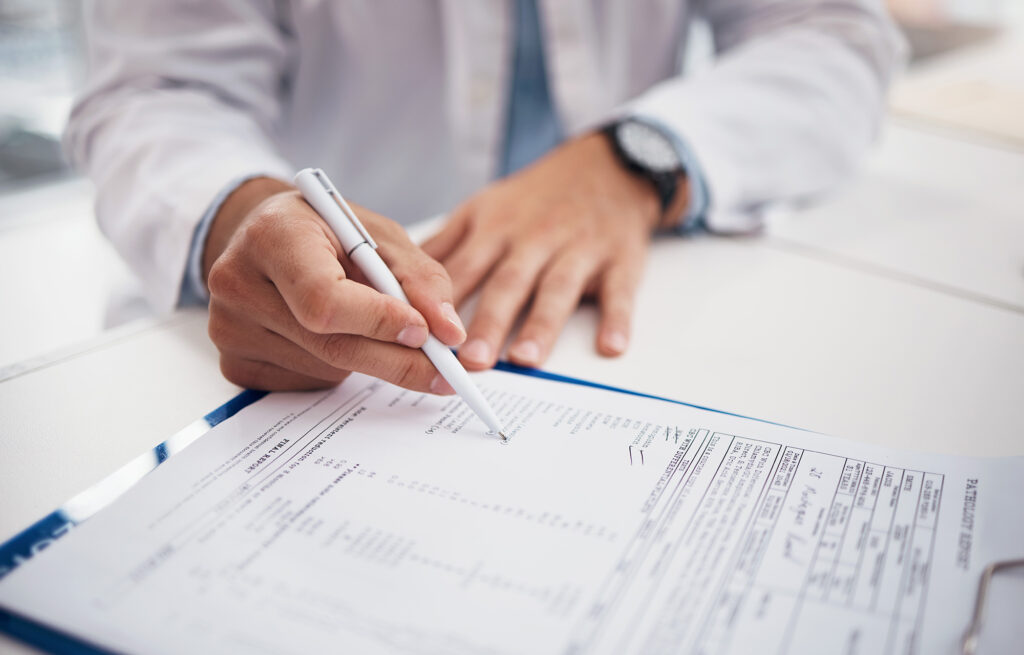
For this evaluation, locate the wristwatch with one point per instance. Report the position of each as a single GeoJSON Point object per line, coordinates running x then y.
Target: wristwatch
{"type": "Point", "coordinates": [649, 153]}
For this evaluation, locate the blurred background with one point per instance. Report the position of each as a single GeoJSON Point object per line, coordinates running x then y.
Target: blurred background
{"type": "Point", "coordinates": [61, 282]}
{"type": "Point", "coordinates": [40, 63]}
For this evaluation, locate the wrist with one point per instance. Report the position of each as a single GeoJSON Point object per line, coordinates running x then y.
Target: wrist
{"type": "Point", "coordinates": [233, 212]}
{"type": "Point", "coordinates": [649, 154]}
{"type": "Point", "coordinates": [674, 213]}
{"type": "Point", "coordinates": [640, 193]}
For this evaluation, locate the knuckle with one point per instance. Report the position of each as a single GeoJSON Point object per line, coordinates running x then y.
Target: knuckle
{"type": "Point", "coordinates": [440, 282]}
{"type": "Point", "coordinates": [410, 373]}
{"type": "Point", "coordinates": [561, 281]}
{"type": "Point", "coordinates": [512, 276]}
{"type": "Point", "coordinates": [394, 229]}
{"type": "Point", "coordinates": [385, 317]}
{"type": "Point", "coordinates": [471, 262]}
{"type": "Point", "coordinates": [218, 328]}
{"type": "Point", "coordinates": [545, 233]}
{"type": "Point", "coordinates": [339, 376]}
{"type": "Point", "coordinates": [259, 232]}
{"type": "Point", "coordinates": [621, 287]}
{"type": "Point", "coordinates": [380, 324]}
{"type": "Point", "coordinates": [384, 228]}
{"type": "Point", "coordinates": [428, 283]}
{"type": "Point", "coordinates": [314, 308]}
{"type": "Point", "coordinates": [223, 280]}
{"type": "Point", "coordinates": [237, 371]}
{"type": "Point", "coordinates": [542, 325]}
{"type": "Point", "coordinates": [487, 324]}
{"type": "Point", "coordinates": [434, 273]}
{"type": "Point", "coordinates": [338, 351]}
{"type": "Point", "coordinates": [618, 307]}
{"type": "Point", "coordinates": [565, 223]}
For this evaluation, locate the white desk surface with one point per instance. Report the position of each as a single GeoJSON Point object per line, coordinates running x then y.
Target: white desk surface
{"type": "Point", "coordinates": [849, 319]}
{"type": "Point", "coordinates": [60, 280]}
{"type": "Point", "coordinates": [977, 89]}
{"type": "Point", "coordinates": [930, 209]}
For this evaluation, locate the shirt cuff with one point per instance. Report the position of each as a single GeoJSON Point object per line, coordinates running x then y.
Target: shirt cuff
{"type": "Point", "coordinates": [193, 291]}
{"type": "Point", "coordinates": [697, 207]}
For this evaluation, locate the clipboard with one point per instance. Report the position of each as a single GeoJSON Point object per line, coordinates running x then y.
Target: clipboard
{"type": "Point", "coordinates": [37, 537]}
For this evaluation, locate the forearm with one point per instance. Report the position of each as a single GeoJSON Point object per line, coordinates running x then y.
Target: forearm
{"type": "Point", "coordinates": [154, 182]}
{"type": "Point", "coordinates": [162, 131]}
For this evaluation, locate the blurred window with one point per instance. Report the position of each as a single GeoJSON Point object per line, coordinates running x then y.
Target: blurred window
{"type": "Point", "coordinates": [40, 59]}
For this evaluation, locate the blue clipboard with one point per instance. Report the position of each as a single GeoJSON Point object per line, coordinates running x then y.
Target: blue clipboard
{"type": "Point", "coordinates": [37, 537]}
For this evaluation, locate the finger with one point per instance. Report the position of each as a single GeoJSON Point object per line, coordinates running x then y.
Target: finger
{"type": "Point", "coordinates": [454, 231]}
{"type": "Point", "coordinates": [233, 327]}
{"type": "Point", "coordinates": [557, 296]}
{"type": "Point", "coordinates": [232, 333]}
{"type": "Point", "coordinates": [471, 261]}
{"type": "Point", "coordinates": [253, 374]}
{"type": "Point", "coordinates": [303, 266]}
{"type": "Point", "coordinates": [503, 297]}
{"type": "Point", "coordinates": [429, 289]}
{"type": "Point", "coordinates": [615, 296]}
{"type": "Point", "coordinates": [240, 339]}
{"type": "Point", "coordinates": [327, 357]}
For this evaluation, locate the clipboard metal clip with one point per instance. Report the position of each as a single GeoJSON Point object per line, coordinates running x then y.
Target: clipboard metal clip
{"type": "Point", "coordinates": [969, 644]}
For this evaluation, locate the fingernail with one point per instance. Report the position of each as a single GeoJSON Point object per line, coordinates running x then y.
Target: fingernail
{"type": "Point", "coordinates": [526, 352]}
{"type": "Point", "coordinates": [440, 386]}
{"type": "Point", "coordinates": [448, 310]}
{"type": "Point", "coordinates": [616, 342]}
{"type": "Point", "coordinates": [412, 336]}
{"type": "Point", "coordinates": [476, 351]}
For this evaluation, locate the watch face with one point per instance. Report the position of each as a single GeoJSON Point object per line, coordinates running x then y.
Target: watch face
{"type": "Point", "coordinates": [647, 146]}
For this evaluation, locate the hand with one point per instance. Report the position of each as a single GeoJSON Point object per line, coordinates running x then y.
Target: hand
{"type": "Point", "coordinates": [575, 223]}
{"type": "Point", "coordinates": [288, 310]}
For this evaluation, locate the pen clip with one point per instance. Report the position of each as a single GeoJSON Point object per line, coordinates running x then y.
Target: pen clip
{"type": "Point", "coordinates": [345, 209]}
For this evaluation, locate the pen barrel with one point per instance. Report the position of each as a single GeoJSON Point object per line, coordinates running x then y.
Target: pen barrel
{"type": "Point", "coordinates": [329, 209]}
{"type": "Point", "coordinates": [448, 366]}
{"type": "Point", "coordinates": [382, 279]}
{"type": "Point", "coordinates": [376, 271]}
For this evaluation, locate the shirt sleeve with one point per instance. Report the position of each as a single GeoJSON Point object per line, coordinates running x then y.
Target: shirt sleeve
{"type": "Point", "coordinates": [180, 102]}
{"type": "Point", "coordinates": [697, 207]}
{"type": "Point", "coordinates": [193, 291]}
{"type": "Point", "coordinates": [794, 98]}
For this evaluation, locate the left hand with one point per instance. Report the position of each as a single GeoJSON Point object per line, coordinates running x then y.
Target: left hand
{"type": "Point", "coordinates": [575, 223]}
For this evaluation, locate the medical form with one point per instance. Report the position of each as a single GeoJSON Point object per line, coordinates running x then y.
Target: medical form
{"type": "Point", "coordinates": [372, 519]}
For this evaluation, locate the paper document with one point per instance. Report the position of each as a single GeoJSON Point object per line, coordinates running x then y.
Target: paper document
{"type": "Point", "coordinates": [370, 519]}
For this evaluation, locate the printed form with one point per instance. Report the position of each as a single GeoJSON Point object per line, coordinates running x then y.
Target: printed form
{"type": "Point", "coordinates": [370, 519]}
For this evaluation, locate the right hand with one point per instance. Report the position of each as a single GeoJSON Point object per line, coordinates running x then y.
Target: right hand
{"type": "Point", "coordinates": [289, 311]}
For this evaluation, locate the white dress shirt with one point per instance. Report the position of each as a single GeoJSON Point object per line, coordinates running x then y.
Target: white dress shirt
{"type": "Point", "coordinates": [402, 101]}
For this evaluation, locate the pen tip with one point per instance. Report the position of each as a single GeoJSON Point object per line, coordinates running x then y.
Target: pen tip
{"type": "Point", "coordinates": [503, 437]}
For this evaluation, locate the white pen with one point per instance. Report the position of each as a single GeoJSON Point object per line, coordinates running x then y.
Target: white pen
{"type": "Point", "coordinates": [360, 247]}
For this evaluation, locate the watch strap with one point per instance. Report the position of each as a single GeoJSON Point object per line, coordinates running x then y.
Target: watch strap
{"type": "Point", "coordinates": [666, 184]}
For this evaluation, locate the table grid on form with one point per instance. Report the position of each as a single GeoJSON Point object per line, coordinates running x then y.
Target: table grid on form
{"type": "Point", "coordinates": [852, 542]}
